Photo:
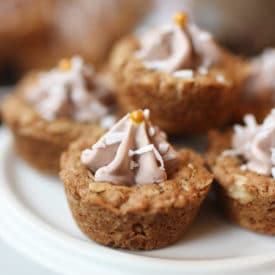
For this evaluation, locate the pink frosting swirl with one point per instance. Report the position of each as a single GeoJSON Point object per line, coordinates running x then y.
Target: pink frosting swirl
{"type": "Point", "coordinates": [256, 143]}
{"type": "Point", "coordinates": [175, 47]}
{"type": "Point", "coordinates": [72, 91]}
{"type": "Point", "coordinates": [131, 153]}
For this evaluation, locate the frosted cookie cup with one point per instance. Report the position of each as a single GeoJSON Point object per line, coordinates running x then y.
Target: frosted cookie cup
{"type": "Point", "coordinates": [181, 74]}
{"type": "Point", "coordinates": [243, 161]}
{"type": "Point", "coordinates": [131, 189]}
{"type": "Point", "coordinates": [51, 109]}
{"type": "Point", "coordinates": [258, 89]}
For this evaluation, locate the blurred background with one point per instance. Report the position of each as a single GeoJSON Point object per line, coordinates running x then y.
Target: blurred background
{"type": "Point", "coordinates": [34, 34]}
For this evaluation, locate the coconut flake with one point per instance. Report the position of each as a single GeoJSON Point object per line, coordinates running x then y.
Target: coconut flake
{"type": "Point", "coordinates": [231, 152]}
{"type": "Point", "coordinates": [86, 156]}
{"type": "Point", "coordinates": [155, 65]}
{"type": "Point", "coordinates": [146, 113]}
{"type": "Point", "coordinates": [250, 121]}
{"type": "Point", "coordinates": [107, 121]}
{"type": "Point", "coordinates": [151, 131]}
{"type": "Point", "coordinates": [238, 129]}
{"type": "Point", "coordinates": [114, 138]}
{"type": "Point", "coordinates": [168, 157]}
{"type": "Point", "coordinates": [188, 74]}
{"type": "Point", "coordinates": [99, 144]}
{"type": "Point", "coordinates": [163, 148]}
{"type": "Point", "coordinates": [204, 36]}
{"type": "Point", "coordinates": [202, 71]}
{"type": "Point", "coordinates": [109, 140]}
{"type": "Point", "coordinates": [273, 155]}
{"type": "Point", "coordinates": [146, 149]}
{"type": "Point", "coordinates": [220, 78]}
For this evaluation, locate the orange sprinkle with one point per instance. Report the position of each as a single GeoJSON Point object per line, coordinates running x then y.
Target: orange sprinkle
{"type": "Point", "coordinates": [180, 19]}
{"type": "Point", "coordinates": [65, 65]}
{"type": "Point", "coordinates": [137, 116]}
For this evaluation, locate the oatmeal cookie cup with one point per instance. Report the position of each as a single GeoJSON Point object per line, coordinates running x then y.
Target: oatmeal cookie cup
{"type": "Point", "coordinates": [186, 93]}
{"type": "Point", "coordinates": [258, 89]}
{"type": "Point", "coordinates": [40, 139]}
{"type": "Point", "coordinates": [144, 215]}
{"type": "Point", "coordinates": [247, 197]}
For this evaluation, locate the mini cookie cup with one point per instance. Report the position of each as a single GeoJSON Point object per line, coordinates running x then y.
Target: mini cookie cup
{"type": "Point", "coordinates": [38, 141]}
{"type": "Point", "coordinates": [178, 105]}
{"type": "Point", "coordinates": [140, 217]}
{"type": "Point", "coordinates": [247, 198]}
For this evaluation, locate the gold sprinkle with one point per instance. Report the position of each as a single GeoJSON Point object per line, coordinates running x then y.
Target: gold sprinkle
{"type": "Point", "coordinates": [180, 19]}
{"type": "Point", "coordinates": [65, 65]}
{"type": "Point", "coordinates": [137, 116]}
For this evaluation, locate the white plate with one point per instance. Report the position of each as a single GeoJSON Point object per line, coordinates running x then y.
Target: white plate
{"type": "Point", "coordinates": [36, 220]}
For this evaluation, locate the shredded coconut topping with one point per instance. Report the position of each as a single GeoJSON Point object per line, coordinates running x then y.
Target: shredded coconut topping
{"type": "Point", "coordinates": [204, 36]}
{"type": "Point", "coordinates": [109, 140]}
{"type": "Point", "coordinates": [171, 48]}
{"type": "Point", "coordinates": [231, 152]}
{"type": "Point", "coordinates": [128, 154]}
{"type": "Point", "coordinates": [220, 78]}
{"type": "Point", "coordinates": [152, 131]}
{"type": "Point", "coordinates": [146, 113]}
{"type": "Point", "coordinates": [184, 74]}
{"type": "Point", "coordinates": [202, 71]}
{"type": "Point", "coordinates": [86, 156]}
{"type": "Point", "coordinates": [107, 121]}
{"type": "Point", "coordinates": [146, 149]}
{"type": "Point", "coordinates": [163, 148]}
{"type": "Point", "coordinates": [256, 143]}
{"type": "Point", "coordinates": [243, 167]}
{"type": "Point", "coordinates": [69, 91]}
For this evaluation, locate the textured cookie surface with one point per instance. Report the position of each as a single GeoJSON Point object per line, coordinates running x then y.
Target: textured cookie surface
{"type": "Point", "coordinates": [248, 198]}
{"type": "Point", "coordinates": [38, 141]}
{"type": "Point", "coordinates": [135, 217]}
{"type": "Point", "coordinates": [178, 105]}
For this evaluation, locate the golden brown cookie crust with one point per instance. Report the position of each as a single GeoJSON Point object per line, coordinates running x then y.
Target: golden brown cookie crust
{"type": "Point", "coordinates": [136, 217]}
{"type": "Point", "coordinates": [177, 105]}
{"type": "Point", "coordinates": [248, 198]}
{"type": "Point", "coordinates": [257, 107]}
{"type": "Point", "coordinates": [38, 141]}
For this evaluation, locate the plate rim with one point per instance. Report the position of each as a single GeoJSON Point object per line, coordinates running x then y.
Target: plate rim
{"type": "Point", "coordinates": [115, 257]}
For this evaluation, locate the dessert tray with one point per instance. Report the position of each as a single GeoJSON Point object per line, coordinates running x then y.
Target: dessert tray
{"type": "Point", "coordinates": [35, 219]}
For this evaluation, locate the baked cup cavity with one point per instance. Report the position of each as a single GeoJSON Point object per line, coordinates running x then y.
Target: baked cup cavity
{"type": "Point", "coordinates": [43, 126]}
{"type": "Point", "coordinates": [247, 196]}
{"type": "Point", "coordinates": [188, 92]}
{"type": "Point", "coordinates": [135, 216]}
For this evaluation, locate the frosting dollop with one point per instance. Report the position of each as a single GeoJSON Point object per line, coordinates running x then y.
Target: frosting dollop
{"type": "Point", "coordinates": [261, 80]}
{"type": "Point", "coordinates": [256, 143]}
{"type": "Point", "coordinates": [72, 90]}
{"type": "Point", "coordinates": [178, 46]}
{"type": "Point", "coordinates": [132, 152]}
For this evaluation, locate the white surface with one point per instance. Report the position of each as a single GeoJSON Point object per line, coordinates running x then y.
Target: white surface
{"type": "Point", "coordinates": [14, 263]}
{"type": "Point", "coordinates": [35, 219]}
